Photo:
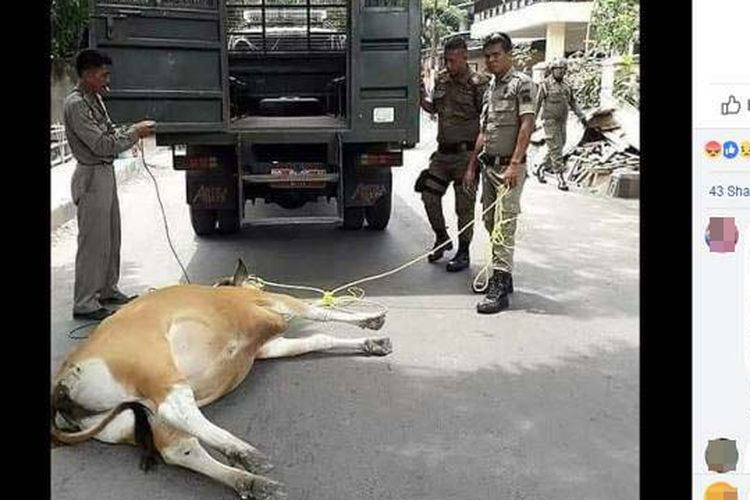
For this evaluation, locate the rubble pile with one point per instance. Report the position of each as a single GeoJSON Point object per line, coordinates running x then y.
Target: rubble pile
{"type": "Point", "coordinates": [593, 162]}
{"type": "Point", "coordinates": [598, 156]}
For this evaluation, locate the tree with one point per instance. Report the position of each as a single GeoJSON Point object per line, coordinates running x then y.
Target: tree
{"type": "Point", "coordinates": [525, 55]}
{"type": "Point", "coordinates": [68, 20]}
{"type": "Point", "coordinates": [614, 30]}
{"type": "Point", "coordinates": [615, 25]}
{"type": "Point", "coordinates": [439, 18]}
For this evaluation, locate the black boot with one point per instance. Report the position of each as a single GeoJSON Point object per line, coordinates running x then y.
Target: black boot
{"type": "Point", "coordinates": [508, 285]}
{"type": "Point", "coordinates": [460, 261]}
{"type": "Point", "coordinates": [539, 173]}
{"type": "Point", "coordinates": [561, 184]}
{"type": "Point", "coordinates": [507, 279]}
{"type": "Point", "coordinates": [496, 299]}
{"type": "Point", "coordinates": [439, 240]}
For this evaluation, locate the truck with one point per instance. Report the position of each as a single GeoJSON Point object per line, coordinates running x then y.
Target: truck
{"type": "Point", "coordinates": [273, 101]}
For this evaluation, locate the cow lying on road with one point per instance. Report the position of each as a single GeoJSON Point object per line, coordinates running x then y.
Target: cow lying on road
{"type": "Point", "coordinates": [172, 351]}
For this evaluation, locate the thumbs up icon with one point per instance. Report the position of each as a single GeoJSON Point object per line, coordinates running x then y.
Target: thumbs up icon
{"type": "Point", "coordinates": [732, 107]}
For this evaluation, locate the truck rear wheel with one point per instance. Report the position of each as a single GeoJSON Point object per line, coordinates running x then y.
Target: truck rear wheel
{"type": "Point", "coordinates": [203, 221]}
{"type": "Point", "coordinates": [379, 214]}
{"type": "Point", "coordinates": [228, 221]}
{"type": "Point", "coordinates": [354, 217]}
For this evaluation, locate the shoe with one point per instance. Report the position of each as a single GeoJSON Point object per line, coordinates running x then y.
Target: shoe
{"type": "Point", "coordinates": [438, 254]}
{"type": "Point", "coordinates": [496, 299]}
{"type": "Point", "coordinates": [561, 184]}
{"type": "Point", "coordinates": [117, 300]}
{"type": "Point", "coordinates": [97, 315]}
{"type": "Point", "coordinates": [460, 261]}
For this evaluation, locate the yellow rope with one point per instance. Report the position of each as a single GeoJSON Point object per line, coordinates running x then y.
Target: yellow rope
{"type": "Point", "coordinates": [481, 280]}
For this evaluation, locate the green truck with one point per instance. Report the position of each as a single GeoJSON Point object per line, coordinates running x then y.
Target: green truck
{"type": "Point", "coordinates": [279, 101]}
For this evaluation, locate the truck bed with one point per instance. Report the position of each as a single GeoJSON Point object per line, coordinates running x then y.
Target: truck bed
{"type": "Point", "coordinates": [288, 122]}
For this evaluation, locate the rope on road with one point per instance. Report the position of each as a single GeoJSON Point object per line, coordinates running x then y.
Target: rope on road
{"type": "Point", "coordinates": [81, 337]}
{"type": "Point", "coordinates": [356, 294]}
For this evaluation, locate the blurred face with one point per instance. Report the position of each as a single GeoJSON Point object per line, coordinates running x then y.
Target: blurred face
{"type": "Point", "coordinates": [97, 80]}
{"type": "Point", "coordinates": [558, 73]}
{"type": "Point", "coordinates": [456, 62]}
{"type": "Point", "coordinates": [498, 61]}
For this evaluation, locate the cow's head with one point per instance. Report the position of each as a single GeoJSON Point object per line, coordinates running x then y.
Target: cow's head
{"type": "Point", "coordinates": [241, 277]}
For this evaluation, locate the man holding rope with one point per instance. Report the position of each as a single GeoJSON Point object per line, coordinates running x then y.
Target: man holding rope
{"type": "Point", "coordinates": [506, 125]}
{"type": "Point", "coordinates": [95, 142]}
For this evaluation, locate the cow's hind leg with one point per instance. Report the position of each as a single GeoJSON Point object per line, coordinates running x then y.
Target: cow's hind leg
{"type": "Point", "coordinates": [184, 450]}
{"type": "Point", "coordinates": [284, 347]}
{"type": "Point", "coordinates": [180, 410]}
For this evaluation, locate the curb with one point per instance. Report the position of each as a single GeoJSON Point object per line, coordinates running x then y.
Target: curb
{"type": "Point", "coordinates": [125, 170]}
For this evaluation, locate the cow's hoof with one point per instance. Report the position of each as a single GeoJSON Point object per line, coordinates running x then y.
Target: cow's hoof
{"type": "Point", "coordinates": [261, 488]}
{"type": "Point", "coordinates": [251, 462]}
{"type": "Point", "coordinates": [378, 347]}
{"type": "Point", "coordinates": [375, 323]}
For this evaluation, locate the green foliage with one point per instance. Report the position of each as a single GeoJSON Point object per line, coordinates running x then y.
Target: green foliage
{"type": "Point", "coordinates": [446, 19]}
{"type": "Point", "coordinates": [585, 76]}
{"type": "Point", "coordinates": [68, 19]}
{"type": "Point", "coordinates": [615, 24]}
{"type": "Point", "coordinates": [628, 83]}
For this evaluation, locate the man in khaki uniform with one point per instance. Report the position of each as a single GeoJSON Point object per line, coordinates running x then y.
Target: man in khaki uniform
{"type": "Point", "coordinates": [506, 127]}
{"type": "Point", "coordinates": [556, 98]}
{"type": "Point", "coordinates": [95, 142]}
{"type": "Point", "coordinates": [457, 100]}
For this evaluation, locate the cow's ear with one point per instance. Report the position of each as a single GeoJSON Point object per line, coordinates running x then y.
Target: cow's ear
{"type": "Point", "coordinates": [240, 273]}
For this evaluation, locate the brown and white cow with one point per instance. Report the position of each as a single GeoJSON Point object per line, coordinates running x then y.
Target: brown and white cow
{"type": "Point", "coordinates": [174, 350]}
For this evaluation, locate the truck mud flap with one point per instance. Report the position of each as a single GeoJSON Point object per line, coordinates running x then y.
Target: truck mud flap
{"type": "Point", "coordinates": [363, 187]}
{"type": "Point", "coordinates": [211, 190]}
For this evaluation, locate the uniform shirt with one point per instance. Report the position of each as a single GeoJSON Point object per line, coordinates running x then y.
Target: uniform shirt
{"type": "Point", "coordinates": [92, 137]}
{"type": "Point", "coordinates": [506, 100]}
{"type": "Point", "coordinates": [458, 103]}
{"type": "Point", "coordinates": [556, 98]}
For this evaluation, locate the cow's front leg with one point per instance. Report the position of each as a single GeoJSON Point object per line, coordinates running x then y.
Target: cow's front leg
{"type": "Point", "coordinates": [291, 307]}
{"type": "Point", "coordinates": [283, 347]}
{"type": "Point", "coordinates": [362, 320]}
{"type": "Point", "coordinates": [184, 450]}
{"type": "Point", "coordinates": [180, 410]}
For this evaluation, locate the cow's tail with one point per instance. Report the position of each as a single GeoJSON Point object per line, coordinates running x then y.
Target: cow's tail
{"type": "Point", "coordinates": [63, 404]}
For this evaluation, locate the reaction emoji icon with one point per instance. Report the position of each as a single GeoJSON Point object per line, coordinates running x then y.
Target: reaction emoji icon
{"type": "Point", "coordinates": [713, 149]}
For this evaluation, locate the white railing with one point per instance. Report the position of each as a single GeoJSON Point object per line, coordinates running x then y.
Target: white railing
{"type": "Point", "coordinates": [59, 151]}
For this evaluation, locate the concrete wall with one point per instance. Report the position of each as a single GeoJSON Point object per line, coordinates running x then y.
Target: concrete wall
{"type": "Point", "coordinates": [62, 82]}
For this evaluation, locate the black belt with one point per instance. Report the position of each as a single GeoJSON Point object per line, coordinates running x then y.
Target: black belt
{"type": "Point", "coordinates": [455, 147]}
{"type": "Point", "coordinates": [95, 164]}
{"type": "Point", "coordinates": [499, 161]}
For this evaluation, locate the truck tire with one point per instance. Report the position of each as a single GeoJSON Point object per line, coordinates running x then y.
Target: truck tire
{"type": "Point", "coordinates": [379, 214]}
{"type": "Point", "coordinates": [354, 217]}
{"type": "Point", "coordinates": [228, 221]}
{"type": "Point", "coordinates": [203, 221]}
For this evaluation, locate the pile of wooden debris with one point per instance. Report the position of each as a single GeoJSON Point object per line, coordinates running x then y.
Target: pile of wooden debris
{"type": "Point", "coordinates": [600, 153]}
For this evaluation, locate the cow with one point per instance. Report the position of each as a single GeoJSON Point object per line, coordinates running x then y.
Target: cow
{"type": "Point", "coordinates": [170, 352]}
